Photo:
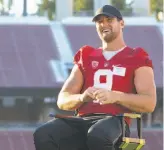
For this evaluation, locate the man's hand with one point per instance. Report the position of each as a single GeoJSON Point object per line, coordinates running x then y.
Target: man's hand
{"type": "Point", "coordinates": [104, 96]}
{"type": "Point", "coordinates": [88, 95]}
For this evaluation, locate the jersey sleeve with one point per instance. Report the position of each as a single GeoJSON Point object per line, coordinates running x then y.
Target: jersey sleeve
{"type": "Point", "coordinates": [142, 58]}
{"type": "Point", "coordinates": [81, 57]}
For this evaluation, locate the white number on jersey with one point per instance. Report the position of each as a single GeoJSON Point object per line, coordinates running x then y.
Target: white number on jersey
{"type": "Point", "coordinates": [109, 79]}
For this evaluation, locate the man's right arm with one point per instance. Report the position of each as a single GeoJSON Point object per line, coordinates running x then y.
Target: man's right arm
{"type": "Point", "coordinates": [69, 97]}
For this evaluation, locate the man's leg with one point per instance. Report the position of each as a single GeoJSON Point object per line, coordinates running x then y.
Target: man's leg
{"type": "Point", "coordinates": [104, 134]}
{"type": "Point", "coordinates": [63, 134]}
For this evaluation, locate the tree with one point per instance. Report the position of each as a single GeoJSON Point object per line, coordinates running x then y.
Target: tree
{"type": "Point", "coordinates": [78, 5]}
{"type": "Point", "coordinates": [119, 4]}
{"type": "Point", "coordinates": [2, 9]}
{"type": "Point", "coordinates": [125, 8]}
{"type": "Point", "coordinates": [47, 6]}
{"type": "Point", "coordinates": [156, 6]}
{"type": "Point", "coordinates": [10, 2]}
{"type": "Point", "coordinates": [1, 2]}
{"type": "Point", "coordinates": [83, 5]}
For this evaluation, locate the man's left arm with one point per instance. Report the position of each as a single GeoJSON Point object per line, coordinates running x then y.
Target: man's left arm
{"type": "Point", "coordinates": [145, 99]}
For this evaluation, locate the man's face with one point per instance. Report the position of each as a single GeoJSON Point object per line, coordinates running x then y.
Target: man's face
{"type": "Point", "coordinates": [108, 28]}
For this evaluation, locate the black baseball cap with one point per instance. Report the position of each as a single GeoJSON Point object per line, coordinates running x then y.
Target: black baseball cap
{"type": "Point", "coordinates": [109, 11]}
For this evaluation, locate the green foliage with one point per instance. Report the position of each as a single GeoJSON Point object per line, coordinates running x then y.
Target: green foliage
{"type": "Point", "coordinates": [83, 5]}
{"type": "Point", "coordinates": [10, 2]}
{"type": "Point", "coordinates": [78, 5]}
{"type": "Point", "coordinates": [119, 4]}
{"type": "Point", "coordinates": [125, 9]}
{"type": "Point", "coordinates": [1, 1]}
{"type": "Point", "coordinates": [47, 6]}
{"type": "Point", "coordinates": [156, 6]}
{"type": "Point", "coordinates": [1, 7]}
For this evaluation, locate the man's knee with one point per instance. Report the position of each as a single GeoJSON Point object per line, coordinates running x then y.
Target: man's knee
{"type": "Point", "coordinates": [42, 132]}
{"type": "Point", "coordinates": [104, 134]}
{"type": "Point", "coordinates": [58, 134]}
{"type": "Point", "coordinates": [97, 139]}
{"type": "Point", "coordinates": [53, 129]}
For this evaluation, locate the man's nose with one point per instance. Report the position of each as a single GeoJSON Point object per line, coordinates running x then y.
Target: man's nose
{"type": "Point", "coordinates": [104, 24]}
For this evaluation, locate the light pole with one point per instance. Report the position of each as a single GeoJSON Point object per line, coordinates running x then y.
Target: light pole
{"type": "Point", "coordinates": [24, 8]}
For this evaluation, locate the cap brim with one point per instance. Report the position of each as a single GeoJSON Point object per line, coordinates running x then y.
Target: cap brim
{"type": "Point", "coordinates": [104, 14]}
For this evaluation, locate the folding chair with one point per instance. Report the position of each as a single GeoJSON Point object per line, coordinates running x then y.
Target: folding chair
{"type": "Point", "coordinates": [127, 142]}
{"type": "Point", "coordinates": [132, 143]}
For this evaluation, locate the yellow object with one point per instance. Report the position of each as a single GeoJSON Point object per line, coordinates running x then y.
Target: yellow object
{"type": "Point", "coordinates": [132, 115]}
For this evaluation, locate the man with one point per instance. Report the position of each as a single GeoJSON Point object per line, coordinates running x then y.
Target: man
{"type": "Point", "coordinates": [110, 80]}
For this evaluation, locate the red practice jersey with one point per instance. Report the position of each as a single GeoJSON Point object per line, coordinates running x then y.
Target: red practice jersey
{"type": "Point", "coordinates": [116, 74]}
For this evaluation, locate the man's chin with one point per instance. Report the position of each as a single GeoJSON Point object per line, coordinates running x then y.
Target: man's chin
{"type": "Point", "coordinates": [107, 40]}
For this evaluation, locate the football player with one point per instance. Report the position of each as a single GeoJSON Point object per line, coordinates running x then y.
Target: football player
{"type": "Point", "coordinates": [110, 80]}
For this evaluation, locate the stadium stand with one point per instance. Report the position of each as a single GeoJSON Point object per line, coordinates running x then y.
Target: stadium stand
{"type": "Point", "coordinates": [26, 51]}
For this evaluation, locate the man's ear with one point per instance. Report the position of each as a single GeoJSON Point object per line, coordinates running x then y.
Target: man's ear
{"type": "Point", "coordinates": [122, 23]}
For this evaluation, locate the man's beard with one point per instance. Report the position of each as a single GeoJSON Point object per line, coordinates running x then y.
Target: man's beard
{"type": "Point", "coordinates": [110, 37]}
